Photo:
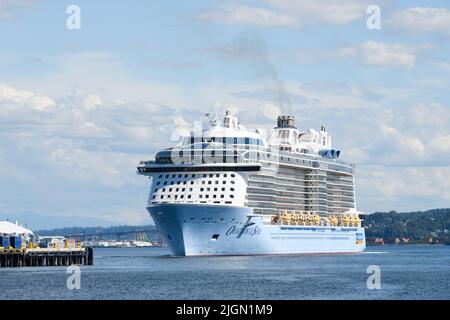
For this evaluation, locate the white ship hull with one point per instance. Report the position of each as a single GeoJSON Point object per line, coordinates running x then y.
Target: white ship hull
{"type": "Point", "coordinates": [193, 229]}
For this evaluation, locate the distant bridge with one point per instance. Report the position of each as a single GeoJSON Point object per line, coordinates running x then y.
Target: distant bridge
{"type": "Point", "coordinates": [143, 234]}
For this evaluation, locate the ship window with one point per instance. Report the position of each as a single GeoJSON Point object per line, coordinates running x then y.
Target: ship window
{"type": "Point", "coordinates": [167, 176]}
{"type": "Point", "coordinates": [211, 175]}
{"type": "Point", "coordinates": [172, 183]}
{"type": "Point", "coordinates": [200, 196]}
{"type": "Point", "coordinates": [209, 182]}
{"type": "Point", "coordinates": [170, 190]}
{"type": "Point", "coordinates": [192, 182]}
{"type": "Point", "coordinates": [160, 176]}
{"type": "Point", "coordinates": [193, 176]}
{"type": "Point", "coordinates": [233, 175]}
{"type": "Point", "coordinates": [214, 196]}
{"type": "Point", "coordinates": [232, 182]}
{"type": "Point", "coordinates": [202, 189]}
{"type": "Point", "coordinates": [164, 190]}
{"type": "Point", "coordinates": [224, 182]}
{"type": "Point", "coordinates": [173, 176]}
{"type": "Point", "coordinates": [217, 182]}
{"type": "Point", "coordinates": [184, 182]}
{"type": "Point", "coordinates": [186, 175]}
{"type": "Point", "coordinates": [162, 197]}
{"type": "Point", "coordinates": [223, 189]}
{"type": "Point", "coordinates": [203, 182]}
{"type": "Point", "coordinates": [204, 176]}
{"type": "Point", "coordinates": [207, 196]}
{"type": "Point", "coordinates": [189, 196]}
{"type": "Point", "coordinates": [159, 182]}
{"type": "Point", "coordinates": [222, 196]}
{"type": "Point", "coordinates": [215, 189]}
{"type": "Point", "coordinates": [156, 190]}
{"type": "Point", "coordinates": [231, 196]}
{"type": "Point", "coordinates": [217, 175]}
{"type": "Point", "coordinates": [232, 189]}
{"type": "Point", "coordinates": [165, 183]}
{"type": "Point", "coordinates": [215, 237]}
{"type": "Point", "coordinates": [178, 182]}
{"type": "Point", "coordinates": [182, 197]}
{"type": "Point", "coordinates": [208, 189]}
{"type": "Point", "coordinates": [154, 197]}
{"type": "Point", "coordinates": [225, 175]}
{"type": "Point", "coordinates": [179, 190]}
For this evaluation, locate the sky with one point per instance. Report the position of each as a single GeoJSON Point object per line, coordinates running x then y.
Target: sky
{"type": "Point", "coordinates": [79, 108]}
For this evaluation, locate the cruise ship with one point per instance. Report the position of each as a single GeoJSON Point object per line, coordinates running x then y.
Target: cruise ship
{"type": "Point", "coordinates": [228, 190]}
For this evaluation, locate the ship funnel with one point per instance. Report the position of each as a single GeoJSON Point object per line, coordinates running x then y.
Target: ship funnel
{"type": "Point", "coordinates": [286, 122]}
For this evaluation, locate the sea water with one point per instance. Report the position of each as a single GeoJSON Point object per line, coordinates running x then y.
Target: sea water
{"type": "Point", "coordinates": [406, 272]}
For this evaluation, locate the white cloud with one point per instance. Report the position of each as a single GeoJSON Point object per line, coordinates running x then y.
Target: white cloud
{"type": "Point", "coordinates": [335, 12]}
{"type": "Point", "coordinates": [11, 97]}
{"type": "Point", "coordinates": [387, 55]}
{"type": "Point", "coordinates": [240, 14]}
{"type": "Point", "coordinates": [10, 8]}
{"type": "Point", "coordinates": [288, 13]}
{"type": "Point", "coordinates": [372, 53]}
{"type": "Point", "coordinates": [422, 19]}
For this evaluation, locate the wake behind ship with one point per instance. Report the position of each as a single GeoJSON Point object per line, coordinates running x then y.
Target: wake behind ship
{"type": "Point", "coordinates": [227, 190]}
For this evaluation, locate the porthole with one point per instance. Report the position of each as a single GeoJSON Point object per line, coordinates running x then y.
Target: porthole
{"type": "Point", "coordinates": [232, 189]}
{"type": "Point", "coordinates": [160, 177]}
{"type": "Point", "coordinates": [174, 175]}
{"type": "Point", "coordinates": [156, 190]}
{"type": "Point", "coordinates": [159, 182]}
{"type": "Point", "coordinates": [233, 175]}
{"type": "Point", "coordinates": [231, 196]}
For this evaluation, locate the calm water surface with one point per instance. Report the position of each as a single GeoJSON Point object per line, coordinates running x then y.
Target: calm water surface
{"type": "Point", "coordinates": [407, 272]}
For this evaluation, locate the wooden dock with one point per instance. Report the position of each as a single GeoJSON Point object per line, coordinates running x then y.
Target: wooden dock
{"type": "Point", "coordinates": [41, 257]}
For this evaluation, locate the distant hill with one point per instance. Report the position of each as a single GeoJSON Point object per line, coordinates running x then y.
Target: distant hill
{"type": "Point", "coordinates": [416, 226]}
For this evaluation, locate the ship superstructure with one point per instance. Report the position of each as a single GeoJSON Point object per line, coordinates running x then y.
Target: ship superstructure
{"type": "Point", "coordinates": [227, 190]}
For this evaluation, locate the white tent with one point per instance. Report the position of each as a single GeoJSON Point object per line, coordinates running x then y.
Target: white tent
{"type": "Point", "coordinates": [7, 227]}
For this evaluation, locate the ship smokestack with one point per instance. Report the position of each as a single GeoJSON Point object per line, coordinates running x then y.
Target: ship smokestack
{"type": "Point", "coordinates": [286, 122]}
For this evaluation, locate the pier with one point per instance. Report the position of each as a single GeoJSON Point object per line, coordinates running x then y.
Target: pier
{"type": "Point", "coordinates": [46, 257]}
